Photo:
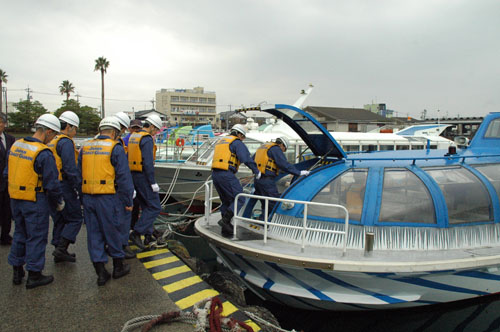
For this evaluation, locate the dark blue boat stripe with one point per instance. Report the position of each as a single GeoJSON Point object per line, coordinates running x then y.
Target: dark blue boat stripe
{"type": "Point", "coordinates": [268, 284]}
{"type": "Point", "coordinates": [311, 289]}
{"type": "Point", "coordinates": [440, 286]}
{"type": "Point", "coordinates": [477, 274]}
{"type": "Point", "coordinates": [386, 298]}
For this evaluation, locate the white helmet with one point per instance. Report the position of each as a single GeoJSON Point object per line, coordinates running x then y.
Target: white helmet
{"type": "Point", "coordinates": [110, 122]}
{"type": "Point", "coordinates": [123, 119]}
{"type": "Point", "coordinates": [49, 121]}
{"type": "Point", "coordinates": [239, 128]}
{"type": "Point", "coordinates": [70, 117]}
{"type": "Point", "coordinates": [155, 120]}
{"type": "Point", "coordinates": [284, 141]}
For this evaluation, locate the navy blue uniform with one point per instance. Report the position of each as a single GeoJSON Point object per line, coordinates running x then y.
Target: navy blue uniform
{"type": "Point", "coordinates": [226, 182]}
{"type": "Point", "coordinates": [68, 222]}
{"type": "Point", "coordinates": [32, 218]}
{"type": "Point", "coordinates": [266, 185]}
{"type": "Point", "coordinates": [102, 212]}
{"type": "Point", "coordinates": [149, 201]}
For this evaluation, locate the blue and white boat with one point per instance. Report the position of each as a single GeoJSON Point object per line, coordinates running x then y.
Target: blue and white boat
{"type": "Point", "coordinates": [380, 230]}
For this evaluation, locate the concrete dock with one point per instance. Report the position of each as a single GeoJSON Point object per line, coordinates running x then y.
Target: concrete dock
{"type": "Point", "coordinates": [74, 302]}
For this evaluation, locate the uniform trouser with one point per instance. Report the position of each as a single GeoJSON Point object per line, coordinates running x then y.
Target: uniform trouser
{"type": "Point", "coordinates": [68, 222]}
{"type": "Point", "coordinates": [227, 186]}
{"type": "Point", "coordinates": [104, 226]}
{"type": "Point", "coordinates": [127, 217]}
{"type": "Point", "coordinates": [266, 186]}
{"type": "Point", "coordinates": [30, 233]}
{"type": "Point", "coordinates": [149, 202]}
{"type": "Point", "coordinates": [134, 216]}
{"type": "Point", "coordinates": [5, 214]}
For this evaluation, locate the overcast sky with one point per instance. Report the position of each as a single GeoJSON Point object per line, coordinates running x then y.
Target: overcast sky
{"type": "Point", "coordinates": [411, 55]}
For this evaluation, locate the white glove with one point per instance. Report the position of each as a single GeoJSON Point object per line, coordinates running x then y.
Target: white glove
{"type": "Point", "coordinates": [134, 194]}
{"type": "Point", "coordinates": [155, 187]}
{"type": "Point", "coordinates": [306, 173]}
{"type": "Point", "coordinates": [60, 205]}
{"type": "Point", "coordinates": [258, 176]}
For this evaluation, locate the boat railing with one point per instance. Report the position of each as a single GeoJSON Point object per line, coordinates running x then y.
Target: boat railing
{"type": "Point", "coordinates": [304, 228]}
{"type": "Point", "coordinates": [209, 186]}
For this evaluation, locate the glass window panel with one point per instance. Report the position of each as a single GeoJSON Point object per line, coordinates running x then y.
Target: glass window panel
{"type": "Point", "coordinates": [493, 130]}
{"type": "Point", "coordinates": [466, 197]}
{"type": "Point", "coordinates": [405, 198]}
{"type": "Point", "coordinates": [492, 173]}
{"type": "Point", "coordinates": [348, 190]}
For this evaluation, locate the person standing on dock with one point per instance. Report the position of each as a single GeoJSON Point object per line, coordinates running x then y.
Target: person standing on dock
{"type": "Point", "coordinates": [228, 154]}
{"type": "Point", "coordinates": [6, 142]}
{"type": "Point", "coordinates": [107, 189]}
{"type": "Point", "coordinates": [124, 121]}
{"type": "Point", "coordinates": [141, 156]}
{"type": "Point", "coordinates": [270, 159]}
{"type": "Point", "coordinates": [67, 223]}
{"type": "Point", "coordinates": [33, 185]}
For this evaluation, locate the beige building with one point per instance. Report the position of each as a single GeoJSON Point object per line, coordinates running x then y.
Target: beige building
{"type": "Point", "coordinates": [187, 106]}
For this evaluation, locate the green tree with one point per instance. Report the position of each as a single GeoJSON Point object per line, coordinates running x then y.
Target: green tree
{"type": "Point", "coordinates": [3, 79]}
{"type": "Point", "coordinates": [102, 64]}
{"type": "Point", "coordinates": [66, 88]}
{"type": "Point", "coordinates": [89, 117]}
{"type": "Point", "coordinates": [28, 113]}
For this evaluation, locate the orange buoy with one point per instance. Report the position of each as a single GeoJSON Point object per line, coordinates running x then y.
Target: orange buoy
{"type": "Point", "coordinates": [179, 142]}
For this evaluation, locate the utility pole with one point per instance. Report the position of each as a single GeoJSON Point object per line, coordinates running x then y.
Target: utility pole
{"type": "Point", "coordinates": [28, 97]}
{"type": "Point", "coordinates": [6, 107]}
{"type": "Point", "coordinates": [77, 97]}
{"type": "Point", "coordinates": [153, 102]}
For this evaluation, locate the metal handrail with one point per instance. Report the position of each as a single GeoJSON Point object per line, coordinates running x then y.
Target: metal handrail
{"type": "Point", "coordinates": [304, 227]}
{"type": "Point", "coordinates": [208, 199]}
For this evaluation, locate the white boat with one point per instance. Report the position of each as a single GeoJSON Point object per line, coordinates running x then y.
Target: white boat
{"type": "Point", "coordinates": [379, 230]}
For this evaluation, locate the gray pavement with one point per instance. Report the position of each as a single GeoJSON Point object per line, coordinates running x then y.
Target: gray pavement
{"type": "Point", "coordinates": [74, 302]}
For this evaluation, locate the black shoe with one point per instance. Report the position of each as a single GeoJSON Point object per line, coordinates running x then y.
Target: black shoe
{"type": "Point", "coordinates": [18, 275]}
{"type": "Point", "coordinates": [61, 253]}
{"type": "Point", "coordinates": [129, 254]}
{"type": "Point", "coordinates": [226, 229]}
{"type": "Point", "coordinates": [148, 239]}
{"type": "Point", "coordinates": [120, 268]}
{"type": "Point", "coordinates": [36, 279]}
{"type": "Point", "coordinates": [136, 239]}
{"type": "Point", "coordinates": [102, 274]}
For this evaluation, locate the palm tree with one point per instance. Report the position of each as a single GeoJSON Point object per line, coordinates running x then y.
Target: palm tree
{"type": "Point", "coordinates": [3, 79]}
{"type": "Point", "coordinates": [67, 88]}
{"type": "Point", "coordinates": [101, 64]}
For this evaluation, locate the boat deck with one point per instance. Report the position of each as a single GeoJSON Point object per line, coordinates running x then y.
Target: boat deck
{"type": "Point", "coordinates": [250, 243]}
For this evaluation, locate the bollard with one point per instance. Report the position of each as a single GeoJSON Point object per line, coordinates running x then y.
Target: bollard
{"type": "Point", "coordinates": [369, 242]}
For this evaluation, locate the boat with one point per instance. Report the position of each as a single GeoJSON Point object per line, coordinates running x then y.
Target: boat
{"type": "Point", "coordinates": [368, 231]}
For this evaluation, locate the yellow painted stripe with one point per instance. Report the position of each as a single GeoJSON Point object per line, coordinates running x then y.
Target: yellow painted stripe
{"type": "Point", "coordinates": [254, 326]}
{"type": "Point", "coordinates": [171, 272]}
{"type": "Point", "coordinates": [228, 308]}
{"type": "Point", "coordinates": [152, 253]}
{"type": "Point", "coordinates": [160, 261]}
{"type": "Point", "coordinates": [196, 297]}
{"type": "Point", "coordinates": [175, 286]}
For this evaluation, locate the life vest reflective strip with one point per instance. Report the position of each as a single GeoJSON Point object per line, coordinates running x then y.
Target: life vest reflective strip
{"type": "Point", "coordinates": [263, 161]}
{"type": "Point", "coordinates": [98, 174]}
{"type": "Point", "coordinates": [223, 157]}
{"type": "Point", "coordinates": [52, 146]}
{"type": "Point", "coordinates": [134, 150]}
{"type": "Point", "coordinates": [24, 182]}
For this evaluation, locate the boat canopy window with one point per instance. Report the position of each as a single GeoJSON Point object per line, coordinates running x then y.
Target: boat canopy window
{"type": "Point", "coordinates": [492, 173]}
{"type": "Point", "coordinates": [466, 196]}
{"type": "Point", "coordinates": [493, 130]}
{"type": "Point", "coordinates": [348, 190]}
{"type": "Point", "coordinates": [405, 198]}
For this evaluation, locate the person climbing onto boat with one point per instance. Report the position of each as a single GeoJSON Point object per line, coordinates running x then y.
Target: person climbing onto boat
{"type": "Point", "coordinates": [141, 156]}
{"type": "Point", "coordinates": [228, 154]}
{"type": "Point", "coordinates": [124, 121]}
{"type": "Point", "coordinates": [33, 184]}
{"type": "Point", "coordinates": [270, 159]}
{"type": "Point", "coordinates": [107, 188]}
{"type": "Point", "coordinates": [68, 222]}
